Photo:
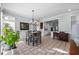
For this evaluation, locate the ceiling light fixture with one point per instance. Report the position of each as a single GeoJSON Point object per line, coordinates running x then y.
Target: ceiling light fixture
{"type": "Point", "coordinates": [69, 10]}
{"type": "Point", "coordinates": [34, 22]}
{"type": "Point", "coordinates": [33, 15]}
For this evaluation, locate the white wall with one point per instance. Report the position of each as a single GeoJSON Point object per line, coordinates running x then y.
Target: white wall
{"type": "Point", "coordinates": [17, 21]}
{"type": "Point", "coordinates": [17, 28]}
{"type": "Point", "coordinates": [46, 26]}
{"type": "Point", "coordinates": [75, 25]}
{"type": "Point", "coordinates": [10, 20]}
{"type": "Point", "coordinates": [0, 23]}
{"type": "Point", "coordinates": [64, 22]}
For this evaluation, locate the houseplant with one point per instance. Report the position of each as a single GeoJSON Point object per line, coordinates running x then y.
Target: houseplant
{"type": "Point", "coordinates": [9, 36]}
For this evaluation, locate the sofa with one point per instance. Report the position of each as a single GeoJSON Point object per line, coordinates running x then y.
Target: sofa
{"type": "Point", "coordinates": [61, 36]}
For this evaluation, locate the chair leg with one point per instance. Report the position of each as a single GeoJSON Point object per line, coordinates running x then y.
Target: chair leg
{"type": "Point", "coordinates": [40, 41]}
{"type": "Point", "coordinates": [28, 41]}
{"type": "Point", "coordinates": [37, 41]}
{"type": "Point", "coordinates": [33, 43]}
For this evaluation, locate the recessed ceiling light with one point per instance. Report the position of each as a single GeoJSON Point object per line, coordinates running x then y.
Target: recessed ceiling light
{"type": "Point", "coordinates": [69, 9]}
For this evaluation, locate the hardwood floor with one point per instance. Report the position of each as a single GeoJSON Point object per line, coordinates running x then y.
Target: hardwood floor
{"type": "Point", "coordinates": [48, 47]}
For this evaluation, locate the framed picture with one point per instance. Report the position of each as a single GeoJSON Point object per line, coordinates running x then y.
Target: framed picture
{"type": "Point", "coordinates": [41, 25]}
{"type": "Point", "coordinates": [54, 25]}
{"type": "Point", "coordinates": [24, 26]}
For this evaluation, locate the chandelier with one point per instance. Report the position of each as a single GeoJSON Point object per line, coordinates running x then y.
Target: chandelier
{"type": "Point", "coordinates": [33, 15]}
{"type": "Point", "coordinates": [34, 22]}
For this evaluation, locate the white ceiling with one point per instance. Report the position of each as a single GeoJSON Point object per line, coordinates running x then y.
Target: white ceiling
{"type": "Point", "coordinates": [42, 10]}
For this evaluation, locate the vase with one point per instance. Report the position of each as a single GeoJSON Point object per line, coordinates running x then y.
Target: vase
{"type": "Point", "coordinates": [7, 47]}
{"type": "Point", "coordinates": [14, 46]}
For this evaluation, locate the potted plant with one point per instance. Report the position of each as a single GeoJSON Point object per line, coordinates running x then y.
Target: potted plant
{"type": "Point", "coordinates": [9, 36]}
